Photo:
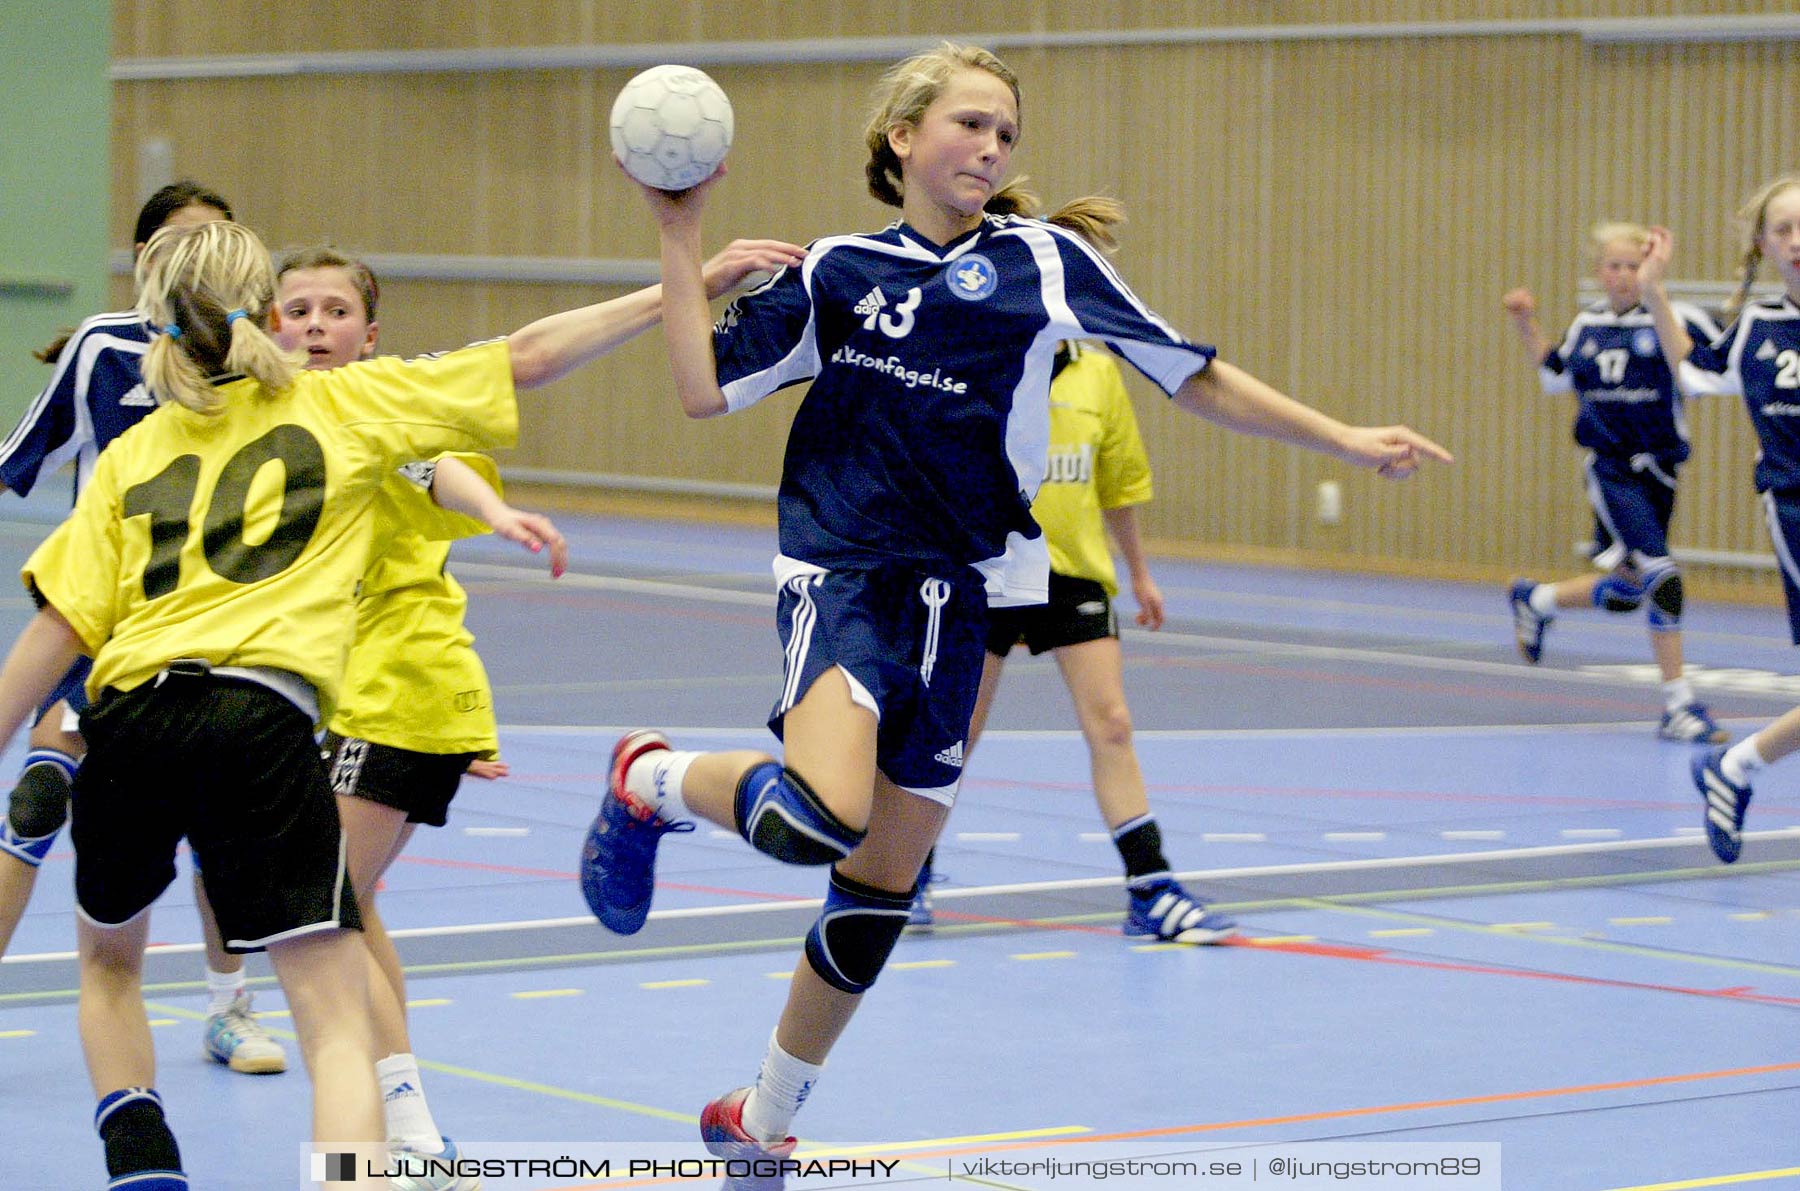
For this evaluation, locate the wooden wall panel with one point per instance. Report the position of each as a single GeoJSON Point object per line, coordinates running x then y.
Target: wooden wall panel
{"type": "Point", "coordinates": [1339, 216]}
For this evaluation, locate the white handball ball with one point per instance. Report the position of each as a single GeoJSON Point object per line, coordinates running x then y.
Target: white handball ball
{"type": "Point", "coordinates": [671, 127]}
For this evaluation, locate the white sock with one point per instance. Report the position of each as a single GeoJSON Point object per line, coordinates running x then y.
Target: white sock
{"type": "Point", "coordinates": [409, 1122]}
{"type": "Point", "coordinates": [1543, 600]}
{"type": "Point", "coordinates": [782, 1086]}
{"type": "Point", "coordinates": [222, 989]}
{"type": "Point", "coordinates": [1677, 693]}
{"type": "Point", "coordinates": [1741, 760]}
{"type": "Point", "coordinates": [657, 777]}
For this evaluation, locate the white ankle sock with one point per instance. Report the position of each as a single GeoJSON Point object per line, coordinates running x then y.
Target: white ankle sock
{"type": "Point", "coordinates": [1741, 760]}
{"type": "Point", "coordinates": [1677, 693]}
{"type": "Point", "coordinates": [1543, 599]}
{"type": "Point", "coordinates": [657, 777]}
{"type": "Point", "coordinates": [782, 1086]}
{"type": "Point", "coordinates": [409, 1120]}
{"type": "Point", "coordinates": [222, 989]}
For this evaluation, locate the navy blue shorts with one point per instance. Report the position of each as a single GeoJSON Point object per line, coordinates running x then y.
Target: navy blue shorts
{"type": "Point", "coordinates": [911, 645]}
{"type": "Point", "coordinates": [1782, 509]}
{"type": "Point", "coordinates": [1633, 500]}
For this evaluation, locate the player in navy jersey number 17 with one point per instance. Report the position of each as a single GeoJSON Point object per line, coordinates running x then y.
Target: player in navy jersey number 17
{"type": "Point", "coordinates": [1630, 418]}
{"type": "Point", "coordinates": [903, 509]}
{"type": "Point", "coordinates": [1758, 359]}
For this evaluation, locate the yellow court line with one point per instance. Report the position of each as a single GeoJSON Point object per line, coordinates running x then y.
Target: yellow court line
{"type": "Point", "coordinates": [1647, 920]}
{"type": "Point", "coordinates": [428, 1002]}
{"type": "Point", "coordinates": [1030, 955]}
{"type": "Point", "coordinates": [539, 993]}
{"type": "Point", "coordinates": [947, 930]}
{"type": "Point", "coordinates": [18, 1033]}
{"type": "Point", "coordinates": [922, 963]}
{"type": "Point", "coordinates": [1278, 940]}
{"type": "Point", "coordinates": [488, 1077]}
{"type": "Point", "coordinates": [1400, 932]}
{"type": "Point", "coordinates": [1708, 961]}
{"type": "Point", "coordinates": [659, 984]}
{"type": "Point", "coordinates": [787, 975]}
{"type": "Point", "coordinates": [1723, 1180]}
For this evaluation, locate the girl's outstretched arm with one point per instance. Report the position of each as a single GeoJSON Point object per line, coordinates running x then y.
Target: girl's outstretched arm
{"type": "Point", "coordinates": [1228, 395]}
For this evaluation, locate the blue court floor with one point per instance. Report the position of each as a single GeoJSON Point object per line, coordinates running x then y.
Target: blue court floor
{"type": "Point", "coordinates": [1477, 907]}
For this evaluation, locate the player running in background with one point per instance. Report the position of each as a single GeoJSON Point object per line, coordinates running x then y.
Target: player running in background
{"type": "Point", "coordinates": [1631, 418]}
{"type": "Point", "coordinates": [1757, 358]}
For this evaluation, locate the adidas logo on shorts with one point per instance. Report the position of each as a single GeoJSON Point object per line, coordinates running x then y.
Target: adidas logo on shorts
{"type": "Point", "coordinates": [952, 756]}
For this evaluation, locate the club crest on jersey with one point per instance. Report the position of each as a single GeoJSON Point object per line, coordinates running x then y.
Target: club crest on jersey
{"type": "Point", "coordinates": [973, 278]}
{"type": "Point", "coordinates": [1644, 342]}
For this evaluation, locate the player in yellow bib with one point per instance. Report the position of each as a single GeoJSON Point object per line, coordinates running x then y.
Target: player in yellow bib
{"type": "Point", "coordinates": [210, 568]}
{"type": "Point", "coordinates": [415, 711]}
{"type": "Point", "coordinates": [1098, 472]}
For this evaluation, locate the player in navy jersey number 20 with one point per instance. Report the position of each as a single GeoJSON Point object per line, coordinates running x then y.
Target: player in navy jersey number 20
{"type": "Point", "coordinates": [1758, 359]}
{"type": "Point", "coordinates": [904, 508]}
{"type": "Point", "coordinates": [1631, 420]}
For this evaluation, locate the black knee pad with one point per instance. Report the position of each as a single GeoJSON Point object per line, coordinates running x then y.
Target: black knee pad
{"type": "Point", "coordinates": [40, 802]}
{"type": "Point", "coordinates": [1666, 601]}
{"type": "Point", "coordinates": [856, 932]}
{"type": "Point", "coordinates": [780, 816]}
{"type": "Point", "coordinates": [38, 807]}
{"type": "Point", "coordinates": [137, 1138]}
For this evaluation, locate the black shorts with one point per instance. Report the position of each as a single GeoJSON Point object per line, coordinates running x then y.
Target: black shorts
{"type": "Point", "coordinates": [233, 767]}
{"type": "Point", "coordinates": [1077, 611]}
{"type": "Point", "coordinates": [421, 784]}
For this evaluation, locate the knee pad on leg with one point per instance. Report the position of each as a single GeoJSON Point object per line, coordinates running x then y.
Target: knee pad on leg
{"type": "Point", "coordinates": [39, 806]}
{"type": "Point", "coordinates": [140, 1149]}
{"type": "Point", "coordinates": [780, 816]}
{"type": "Point", "coordinates": [855, 933]}
{"type": "Point", "coordinates": [1616, 593]}
{"type": "Point", "coordinates": [1666, 599]}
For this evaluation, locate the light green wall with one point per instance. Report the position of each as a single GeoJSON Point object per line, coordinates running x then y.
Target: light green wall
{"type": "Point", "coordinates": [54, 178]}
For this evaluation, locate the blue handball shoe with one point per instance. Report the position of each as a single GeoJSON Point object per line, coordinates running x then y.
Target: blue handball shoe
{"type": "Point", "coordinates": [1528, 624]}
{"type": "Point", "coordinates": [618, 861]}
{"type": "Point", "coordinates": [1691, 724]}
{"type": "Point", "coordinates": [1164, 909]}
{"type": "Point", "coordinates": [1726, 803]}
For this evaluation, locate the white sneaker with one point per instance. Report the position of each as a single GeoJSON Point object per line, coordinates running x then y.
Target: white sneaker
{"type": "Point", "coordinates": [236, 1039]}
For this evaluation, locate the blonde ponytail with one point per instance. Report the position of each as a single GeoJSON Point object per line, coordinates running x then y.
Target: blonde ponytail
{"type": "Point", "coordinates": [207, 290]}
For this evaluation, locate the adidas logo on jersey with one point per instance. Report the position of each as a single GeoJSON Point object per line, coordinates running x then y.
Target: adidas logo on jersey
{"type": "Point", "coordinates": [1767, 350]}
{"type": "Point", "coordinates": [872, 303]}
{"type": "Point", "coordinates": [138, 395]}
{"type": "Point", "coordinates": [952, 756]}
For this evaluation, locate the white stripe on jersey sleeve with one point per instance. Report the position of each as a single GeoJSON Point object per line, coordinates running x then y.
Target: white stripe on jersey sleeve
{"type": "Point", "coordinates": [801, 362]}
{"type": "Point", "coordinates": [1169, 366]}
{"type": "Point", "coordinates": [76, 347]}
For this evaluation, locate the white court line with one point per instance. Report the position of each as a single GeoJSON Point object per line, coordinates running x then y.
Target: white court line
{"type": "Point", "coordinates": [690, 591]}
{"type": "Point", "coordinates": [942, 895]}
{"type": "Point", "coordinates": [1171, 734]}
{"type": "Point", "coordinates": [693, 591]}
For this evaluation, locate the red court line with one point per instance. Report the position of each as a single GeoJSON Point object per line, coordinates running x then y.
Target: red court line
{"type": "Point", "coordinates": [1376, 955]}
{"type": "Point", "coordinates": [1303, 1118]}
